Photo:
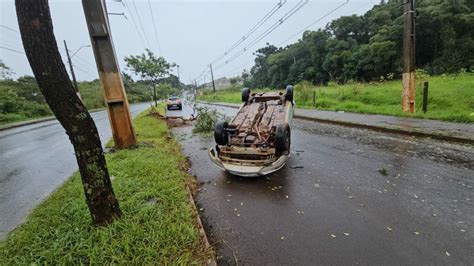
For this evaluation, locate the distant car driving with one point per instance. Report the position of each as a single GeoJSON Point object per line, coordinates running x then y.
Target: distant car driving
{"type": "Point", "coordinates": [174, 103]}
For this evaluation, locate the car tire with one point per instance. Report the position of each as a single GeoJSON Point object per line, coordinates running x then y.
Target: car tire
{"type": "Point", "coordinates": [289, 93]}
{"type": "Point", "coordinates": [282, 138]}
{"type": "Point", "coordinates": [245, 95]}
{"type": "Point", "coordinates": [220, 135]}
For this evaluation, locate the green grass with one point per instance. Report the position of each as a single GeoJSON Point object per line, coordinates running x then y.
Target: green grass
{"type": "Point", "coordinates": [451, 98]}
{"type": "Point", "coordinates": [59, 230]}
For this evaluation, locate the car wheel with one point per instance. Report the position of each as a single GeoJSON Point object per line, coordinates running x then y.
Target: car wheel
{"type": "Point", "coordinates": [289, 93]}
{"type": "Point", "coordinates": [282, 138]}
{"type": "Point", "coordinates": [245, 94]}
{"type": "Point", "coordinates": [220, 135]}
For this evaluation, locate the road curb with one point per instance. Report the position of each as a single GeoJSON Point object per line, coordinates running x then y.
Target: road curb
{"type": "Point", "coordinates": [35, 121]}
{"type": "Point", "coordinates": [25, 123]}
{"type": "Point", "coordinates": [212, 260]}
{"type": "Point", "coordinates": [370, 127]}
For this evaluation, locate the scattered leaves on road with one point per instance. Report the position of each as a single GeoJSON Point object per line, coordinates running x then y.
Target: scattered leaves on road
{"type": "Point", "coordinates": [383, 171]}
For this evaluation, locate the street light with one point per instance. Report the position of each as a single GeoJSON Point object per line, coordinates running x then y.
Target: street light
{"type": "Point", "coordinates": [80, 49]}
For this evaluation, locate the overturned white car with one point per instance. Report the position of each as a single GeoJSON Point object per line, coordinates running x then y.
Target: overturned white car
{"type": "Point", "coordinates": [257, 140]}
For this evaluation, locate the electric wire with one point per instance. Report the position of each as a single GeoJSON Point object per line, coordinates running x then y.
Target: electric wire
{"type": "Point", "coordinates": [267, 16]}
{"type": "Point", "coordinates": [314, 22]}
{"type": "Point", "coordinates": [12, 50]}
{"type": "Point", "coordinates": [134, 23]}
{"type": "Point", "coordinates": [8, 28]}
{"type": "Point", "coordinates": [154, 26]}
{"type": "Point", "coordinates": [267, 32]}
{"type": "Point", "coordinates": [140, 23]}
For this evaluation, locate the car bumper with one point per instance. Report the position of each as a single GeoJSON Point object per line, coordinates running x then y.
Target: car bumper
{"type": "Point", "coordinates": [174, 106]}
{"type": "Point", "coordinates": [248, 170]}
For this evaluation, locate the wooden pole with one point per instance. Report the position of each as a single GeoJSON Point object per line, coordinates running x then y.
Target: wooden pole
{"type": "Point", "coordinates": [109, 73]}
{"type": "Point", "coordinates": [408, 91]}
{"type": "Point", "coordinates": [425, 97]}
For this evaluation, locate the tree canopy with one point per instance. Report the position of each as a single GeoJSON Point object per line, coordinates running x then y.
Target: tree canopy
{"type": "Point", "coordinates": [148, 66]}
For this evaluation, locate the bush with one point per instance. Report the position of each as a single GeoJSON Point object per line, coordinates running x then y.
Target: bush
{"type": "Point", "coordinates": [206, 119]}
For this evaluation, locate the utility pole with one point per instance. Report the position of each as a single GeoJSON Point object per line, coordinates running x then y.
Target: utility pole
{"type": "Point", "coordinates": [109, 73]}
{"type": "Point", "coordinates": [195, 89]}
{"type": "Point", "coordinates": [408, 83]}
{"type": "Point", "coordinates": [178, 70]}
{"type": "Point", "coordinates": [212, 76]}
{"type": "Point", "coordinates": [72, 70]}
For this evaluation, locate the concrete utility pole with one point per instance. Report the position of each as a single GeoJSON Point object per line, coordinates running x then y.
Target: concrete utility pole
{"type": "Point", "coordinates": [72, 70]}
{"type": "Point", "coordinates": [212, 76]}
{"type": "Point", "coordinates": [177, 66]}
{"type": "Point", "coordinates": [408, 91]}
{"type": "Point", "coordinates": [113, 90]}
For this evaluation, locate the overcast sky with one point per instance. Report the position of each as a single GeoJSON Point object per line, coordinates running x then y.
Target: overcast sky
{"type": "Point", "coordinates": [190, 33]}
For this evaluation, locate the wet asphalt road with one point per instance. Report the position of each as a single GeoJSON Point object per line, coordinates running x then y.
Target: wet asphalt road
{"type": "Point", "coordinates": [35, 160]}
{"type": "Point", "coordinates": [346, 196]}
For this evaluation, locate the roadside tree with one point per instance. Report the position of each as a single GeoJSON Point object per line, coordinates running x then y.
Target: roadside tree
{"type": "Point", "coordinates": [36, 28]}
{"type": "Point", "coordinates": [149, 67]}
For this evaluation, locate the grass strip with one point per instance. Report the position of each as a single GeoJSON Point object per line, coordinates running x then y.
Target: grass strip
{"type": "Point", "coordinates": [450, 97]}
{"type": "Point", "coordinates": [158, 223]}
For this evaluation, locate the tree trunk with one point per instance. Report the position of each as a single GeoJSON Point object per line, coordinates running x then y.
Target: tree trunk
{"type": "Point", "coordinates": [40, 45]}
{"type": "Point", "coordinates": [154, 94]}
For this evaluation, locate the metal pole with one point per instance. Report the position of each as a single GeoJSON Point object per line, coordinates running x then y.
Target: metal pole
{"type": "Point", "coordinates": [72, 69]}
{"type": "Point", "coordinates": [408, 91]}
{"type": "Point", "coordinates": [212, 76]}
{"type": "Point", "coordinates": [109, 73]}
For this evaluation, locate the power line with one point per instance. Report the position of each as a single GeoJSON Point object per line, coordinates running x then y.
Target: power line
{"type": "Point", "coordinates": [299, 32]}
{"type": "Point", "coordinates": [154, 26]}
{"type": "Point", "coordinates": [267, 16]}
{"type": "Point", "coordinates": [8, 28]}
{"type": "Point", "coordinates": [314, 22]}
{"type": "Point", "coordinates": [134, 23]}
{"type": "Point", "coordinates": [12, 50]}
{"type": "Point", "coordinates": [85, 72]}
{"type": "Point", "coordinates": [140, 23]}
{"type": "Point", "coordinates": [269, 30]}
